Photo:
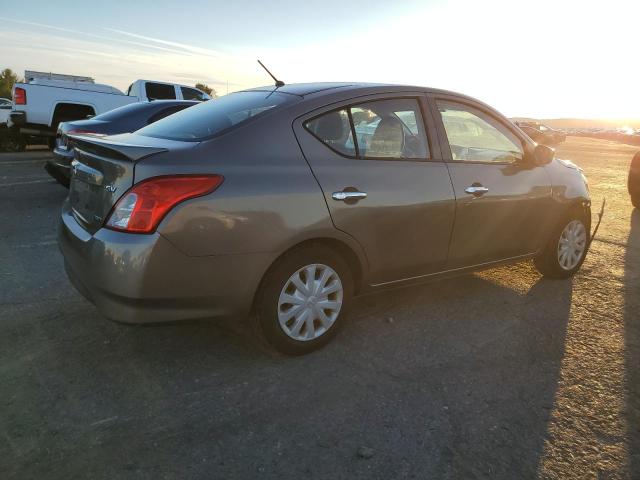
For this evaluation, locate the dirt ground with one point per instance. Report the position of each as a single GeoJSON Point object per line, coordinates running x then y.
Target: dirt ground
{"type": "Point", "coordinates": [499, 374]}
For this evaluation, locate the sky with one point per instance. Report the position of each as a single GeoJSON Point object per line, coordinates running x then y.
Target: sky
{"type": "Point", "coordinates": [533, 58]}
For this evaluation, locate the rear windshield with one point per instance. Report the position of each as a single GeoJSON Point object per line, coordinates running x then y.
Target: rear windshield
{"type": "Point", "coordinates": [121, 112]}
{"type": "Point", "coordinates": [215, 116]}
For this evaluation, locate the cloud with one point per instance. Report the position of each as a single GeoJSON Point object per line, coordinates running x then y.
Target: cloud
{"type": "Point", "coordinates": [119, 57]}
{"type": "Point", "coordinates": [75, 33]}
{"type": "Point", "coordinates": [188, 48]}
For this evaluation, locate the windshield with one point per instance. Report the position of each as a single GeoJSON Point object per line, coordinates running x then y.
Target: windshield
{"type": "Point", "coordinates": [216, 116]}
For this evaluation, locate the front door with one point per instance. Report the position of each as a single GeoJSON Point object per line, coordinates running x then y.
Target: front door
{"type": "Point", "coordinates": [384, 183]}
{"type": "Point", "coordinates": [502, 200]}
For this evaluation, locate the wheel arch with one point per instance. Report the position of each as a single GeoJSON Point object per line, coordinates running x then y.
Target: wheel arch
{"type": "Point", "coordinates": [581, 205]}
{"type": "Point", "coordinates": [341, 248]}
{"type": "Point", "coordinates": [61, 110]}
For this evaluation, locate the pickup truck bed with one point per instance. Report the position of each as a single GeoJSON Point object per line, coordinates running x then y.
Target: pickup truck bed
{"type": "Point", "coordinates": [46, 100]}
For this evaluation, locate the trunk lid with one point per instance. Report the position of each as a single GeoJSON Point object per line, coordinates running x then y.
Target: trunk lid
{"type": "Point", "coordinates": [102, 171]}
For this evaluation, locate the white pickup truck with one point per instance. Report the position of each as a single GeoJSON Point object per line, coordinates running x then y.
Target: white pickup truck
{"type": "Point", "coordinates": [44, 100]}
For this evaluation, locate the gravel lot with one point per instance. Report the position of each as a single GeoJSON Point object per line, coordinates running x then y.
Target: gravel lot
{"type": "Point", "coordinates": [494, 375]}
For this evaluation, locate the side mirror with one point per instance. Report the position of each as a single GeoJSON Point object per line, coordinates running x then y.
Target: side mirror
{"type": "Point", "coordinates": [543, 155]}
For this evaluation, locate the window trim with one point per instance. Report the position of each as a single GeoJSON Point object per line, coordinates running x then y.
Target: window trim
{"type": "Point", "coordinates": [351, 104]}
{"type": "Point", "coordinates": [484, 111]}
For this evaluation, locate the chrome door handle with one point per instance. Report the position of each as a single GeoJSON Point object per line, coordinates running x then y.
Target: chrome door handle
{"type": "Point", "coordinates": [476, 190]}
{"type": "Point", "coordinates": [346, 196]}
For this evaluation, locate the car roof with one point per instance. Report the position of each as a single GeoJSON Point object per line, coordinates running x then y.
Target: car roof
{"type": "Point", "coordinates": [304, 89]}
{"type": "Point", "coordinates": [317, 89]}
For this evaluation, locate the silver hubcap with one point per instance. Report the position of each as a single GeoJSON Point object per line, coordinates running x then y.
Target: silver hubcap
{"type": "Point", "coordinates": [572, 244]}
{"type": "Point", "coordinates": [310, 302]}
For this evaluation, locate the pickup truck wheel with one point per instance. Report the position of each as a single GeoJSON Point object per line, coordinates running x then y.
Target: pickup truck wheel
{"type": "Point", "coordinates": [302, 300]}
{"type": "Point", "coordinates": [13, 143]}
{"type": "Point", "coordinates": [566, 248]}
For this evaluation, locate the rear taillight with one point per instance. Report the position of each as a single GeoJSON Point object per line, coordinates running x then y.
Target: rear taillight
{"type": "Point", "coordinates": [19, 96]}
{"type": "Point", "coordinates": [79, 131]}
{"type": "Point", "coordinates": [141, 209]}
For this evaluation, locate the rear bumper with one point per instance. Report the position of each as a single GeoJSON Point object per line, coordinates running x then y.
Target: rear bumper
{"type": "Point", "coordinates": [17, 118]}
{"type": "Point", "coordinates": [145, 279]}
{"type": "Point", "coordinates": [60, 167]}
{"type": "Point", "coordinates": [63, 155]}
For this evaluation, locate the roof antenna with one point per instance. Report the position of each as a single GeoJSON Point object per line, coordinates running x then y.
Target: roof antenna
{"type": "Point", "coordinates": [279, 83]}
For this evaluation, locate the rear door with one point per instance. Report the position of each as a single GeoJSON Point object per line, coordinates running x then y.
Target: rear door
{"type": "Point", "coordinates": [502, 200]}
{"type": "Point", "coordinates": [384, 181]}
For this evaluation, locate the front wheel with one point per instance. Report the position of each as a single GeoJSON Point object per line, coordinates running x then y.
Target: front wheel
{"type": "Point", "coordinates": [302, 300]}
{"type": "Point", "coordinates": [566, 249]}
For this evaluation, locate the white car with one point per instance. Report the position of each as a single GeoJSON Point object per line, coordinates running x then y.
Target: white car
{"type": "Point", "coordinates": [46, 99]}
{"type": "Point", "coordinates": [5, 109]}
{"type": "Point", "coordinates": [10, 140]}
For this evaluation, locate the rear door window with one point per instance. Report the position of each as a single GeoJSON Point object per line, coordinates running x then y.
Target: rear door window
{"type": "Point", "coordinates": [384, 129]}
{"type": "Point", "coordinates": [160, 91]}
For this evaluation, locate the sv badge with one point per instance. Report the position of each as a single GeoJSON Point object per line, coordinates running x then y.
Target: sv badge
{"type": "Point", "coordinates": [110, 188]}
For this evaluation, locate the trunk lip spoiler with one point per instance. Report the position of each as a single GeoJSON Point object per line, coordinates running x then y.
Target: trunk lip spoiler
{"type": "Point", "coordinates": [132, 152]}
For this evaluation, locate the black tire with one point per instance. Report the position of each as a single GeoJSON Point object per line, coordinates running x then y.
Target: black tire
{"type": "Point", "coordinates": [633, 181]}
{"type": "Point", "coordinates": [547, 262]}
{"type": "Point", "coordinates": [13, 143]}
{"type": "Point", "coordinates": [265, 323]}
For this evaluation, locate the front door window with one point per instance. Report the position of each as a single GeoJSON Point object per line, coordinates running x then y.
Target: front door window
{"type": "Point", "coordinates": [476, 137]}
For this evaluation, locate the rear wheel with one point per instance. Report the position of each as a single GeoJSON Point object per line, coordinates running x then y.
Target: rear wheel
{"type": "Point", "coordinates": [302, 301]}
{"type": "Point", "coordinates": [12, 142]}
{"type": "Point", "coordinates": [566, 249]}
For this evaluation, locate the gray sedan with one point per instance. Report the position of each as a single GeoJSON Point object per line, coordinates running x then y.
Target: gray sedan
{"type": "Point", "coordinates": [280, 204]}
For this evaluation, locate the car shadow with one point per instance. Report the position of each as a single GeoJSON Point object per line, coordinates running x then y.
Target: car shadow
{"type": "Point", "coordinates": [486, 351]}
{"type": "Point", "coordinates": [467, 369]}
{"type": "Point", "coordinates": [632, 341]}
{"type": "Point", "coordinates": [455, 379]}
